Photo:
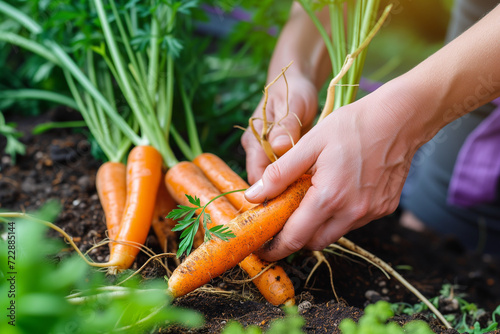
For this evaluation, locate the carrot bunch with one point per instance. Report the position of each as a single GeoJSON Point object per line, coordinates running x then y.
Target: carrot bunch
{"type": "Point", "coordinates": [272, 281]}
{"type": "Point", "coordinates": [126, 99]}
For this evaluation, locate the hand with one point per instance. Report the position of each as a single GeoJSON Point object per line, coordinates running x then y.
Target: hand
{"type": "Point", "coordinates": [303, 104]}
{"type": "Point", "coordinates": [359, 159]}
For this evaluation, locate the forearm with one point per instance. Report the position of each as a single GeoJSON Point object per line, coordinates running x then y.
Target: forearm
{"type": "Point", "coordinates": [454, 81]}
{"type": "Point", "coordinates": [301, 43]}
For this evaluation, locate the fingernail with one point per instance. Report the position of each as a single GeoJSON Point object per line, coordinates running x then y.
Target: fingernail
{"type": "Point", "coordinates": [281, 140]}
{"type": "Point", "coordinates": [254, 190]}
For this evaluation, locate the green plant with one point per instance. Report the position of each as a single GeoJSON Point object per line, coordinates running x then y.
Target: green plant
{"type": "Point", "coordinates": [374, 321]}
{"type": "Point", "coordinates": [13, 146]}
{"type": "Point", "coordinates": [52, 292]}
{"type": "Point", "coordinates": [468, 313]}
{"type": "Point", "coordinates": [292, 323]}
{"type": "Point", "coordinates": [188, 222]}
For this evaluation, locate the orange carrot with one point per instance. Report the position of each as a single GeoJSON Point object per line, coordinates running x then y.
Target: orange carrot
{"type": "Point", "coordinates": [274, 284]}
{"type": "Point", "coordinates": [163, 226]}
{"type": "Point", "coordinates": [225, 179]}
{"type": "Point", "coordinates": [252, 229]}
{"type": "Point", "coordinates": [112, 190]}
{"type": "Point", "coordinates": [143, 178]}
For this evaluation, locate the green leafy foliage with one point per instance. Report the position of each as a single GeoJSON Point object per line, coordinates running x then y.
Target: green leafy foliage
{"type": "Point", "coordinates": [374, 321]}
{"type": "Point", "coordinates": [13, 146]}
{"type": "Point", "coordinates": [189, 223]}
{"type": "Point", "coordinates": [292, 323]}
{"type": "Point", "coordinates": [467, 321]}
{"type": "Point", "coordinates": [40, 283]}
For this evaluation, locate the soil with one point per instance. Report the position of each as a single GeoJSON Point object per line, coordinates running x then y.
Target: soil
{"type": "Point", "coordinates": [59, 166]}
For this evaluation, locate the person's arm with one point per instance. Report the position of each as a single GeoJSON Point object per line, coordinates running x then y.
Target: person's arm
{"type": "Point", "coordinates": [301, 43]}
{"type": "Point", "coordinates": [360, 154]}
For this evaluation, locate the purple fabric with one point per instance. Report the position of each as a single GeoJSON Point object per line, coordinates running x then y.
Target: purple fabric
{"type": "Point", "coordinates": [369, 85]}
{"type": "Point", "coordinates": [477, 170]}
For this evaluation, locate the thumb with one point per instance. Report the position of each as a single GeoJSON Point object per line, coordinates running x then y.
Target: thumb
{"type": "Point", "coordinates": [280, 174]}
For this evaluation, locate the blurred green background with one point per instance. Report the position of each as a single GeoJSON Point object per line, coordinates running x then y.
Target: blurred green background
{"type": "Point", "coordinates": [229, 63]}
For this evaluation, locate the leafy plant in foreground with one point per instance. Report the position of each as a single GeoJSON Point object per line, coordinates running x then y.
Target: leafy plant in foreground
{"type": "Point", "coordinates": [13, 146]}
{"type": "Point", "coordinates": [42, 285]}
{"type": "Point", "coordinates": [467, 321]}
{"type": "Point", "coordinates": [374, 321]}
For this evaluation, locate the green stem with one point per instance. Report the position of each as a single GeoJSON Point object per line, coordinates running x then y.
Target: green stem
{"type": "Point", "coordinates": [139, 56]}
{"type": "Point", "coordinates": [154, 56]}
{"type": "Point", "coordinates": [194, 140]}
{"type": "Point", "coordinates": [181, 144]}
{"type": "Point", "coordinates": [148, 123]}
{"type": "Point", "coordinates": [122, 74]}
{"type": "Point", "coordinates": [166, 116]}
{"type": "Point", "coordinates": [29, 45]}
{"type": "Point", "coordinates": [125, 41]}
{"type": "Point", "coordinates": [44, 127]}
{"type": "Point", "coordinates": [39, 94]}
{"type": "Point", "coordinates": [20, 17]}
{"type": "Point", "coordinates": [69, 65]}
{"type": "Point", "coordinates": [321, 30]}
{"type": "Point", "coordinates": [85, 114]}
{"type": "Point", "coordinates": [101, 117]}
{"type": "Point", "coordinates": [202, 213]}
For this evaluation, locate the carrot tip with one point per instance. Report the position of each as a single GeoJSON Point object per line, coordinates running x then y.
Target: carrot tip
{"type": "Point", "coordinates": [290, 302]}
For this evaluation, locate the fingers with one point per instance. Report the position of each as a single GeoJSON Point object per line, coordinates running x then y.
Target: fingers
{"type": "Point", "coordinates": [287, 130]}
{"type": "Point", "coordinates": [256, 159]}
{"type": "Point", "coordinates": [284, 171]}
{"type": "Point", "coordinates": [300, 227]}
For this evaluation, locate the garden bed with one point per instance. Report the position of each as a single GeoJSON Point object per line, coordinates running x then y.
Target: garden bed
{"type": "Point", "coordinates": [58, 165]}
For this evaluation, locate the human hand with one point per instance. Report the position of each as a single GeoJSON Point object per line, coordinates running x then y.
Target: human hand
{"type": "Point", "coordinates": [303, 104]}
{"type": "Point", "coordinates": [359, 159]}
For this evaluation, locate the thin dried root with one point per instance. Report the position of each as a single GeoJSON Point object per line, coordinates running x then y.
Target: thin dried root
{"type": "Point", "coordinates": [358, 255]}
{"type": "Point", "coordinates": [58, 229]}
{"type": "Point", "coordinates": [248, 280]}
{"type": "Point", "coordinates": [266, 125]}
{"type": "Point", "coordinates": [69, 239]}
{"type": "Point", "coordinates": [322, 259]}
{"type": "Point", "coordinates": [380, 263]}
{"type": "Point", "coordinates": [155, 257]}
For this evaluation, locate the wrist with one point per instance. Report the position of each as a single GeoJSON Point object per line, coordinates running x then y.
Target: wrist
{"type": "Point", "coordinates": [411, 109]}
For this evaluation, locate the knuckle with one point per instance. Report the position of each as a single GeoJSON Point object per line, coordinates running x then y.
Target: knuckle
{"type": "Point", "coordinates": [318, 245]}
{"type": "Point", "coordinates": [325, 201]}
{"type": "Point", "coordinates": [273, 173]}
{"type": "Point", "coordinates": [292, 243]}
{"type": "Point", "coordinates": [360, 211]}
{"type": "Point", "coordinates": [387, 207]}
{"type": "Point", "coordinates": [246, 140]}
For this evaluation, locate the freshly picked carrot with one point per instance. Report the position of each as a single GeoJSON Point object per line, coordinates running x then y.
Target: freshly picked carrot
{"type": "Point", "coordinates": [251, 229]}
{"type": "Point", "coordinates": [274, 284]}
{"type": "Point", "coordinates": [143, 178]}
{"type": "Point", "coordinates": [163, 226]}
{"type": "Point", "coordinates": [225, 179]}
{"type": "Point", "coordinates": [112, 190]}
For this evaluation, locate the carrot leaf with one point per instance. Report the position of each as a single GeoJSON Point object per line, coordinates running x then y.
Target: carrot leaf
{"type": "Point", "coordinates": [188, 224]}
{"type": "Point", "coordinates": [220, 231]}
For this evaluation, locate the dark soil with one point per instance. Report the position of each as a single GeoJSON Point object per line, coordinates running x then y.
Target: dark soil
{"type": "Point", "coordinates": [59, 166]}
